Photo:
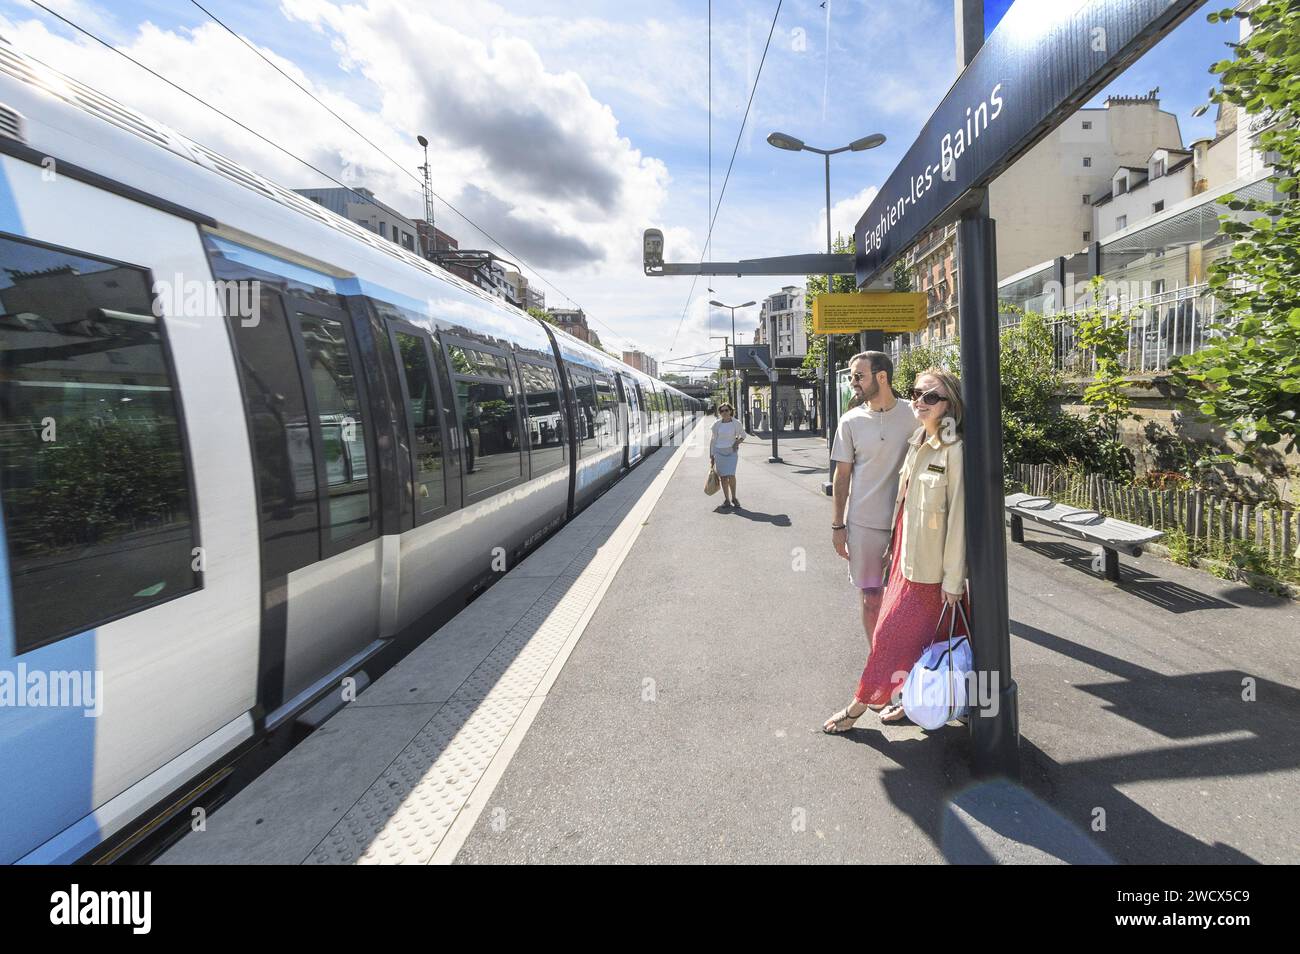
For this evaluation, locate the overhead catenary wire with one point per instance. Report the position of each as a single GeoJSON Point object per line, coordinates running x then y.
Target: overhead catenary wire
{"type": "Point", "coordinates": [736, 148]}
{"type": "Point", "coordinates": [283, 150]}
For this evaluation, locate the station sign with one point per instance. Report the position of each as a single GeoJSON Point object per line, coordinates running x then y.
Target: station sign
{"type": "Point", "coordinates": [1043, 61]}
{"type": "Point", "coordinates": [849, 313]}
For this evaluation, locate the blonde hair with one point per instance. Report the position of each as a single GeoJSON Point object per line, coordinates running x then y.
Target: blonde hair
{"type": "Point", "coordinates": [952, 386]}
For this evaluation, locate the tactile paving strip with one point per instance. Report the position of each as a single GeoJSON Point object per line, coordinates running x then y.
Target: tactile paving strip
{"type": "Point", "coordinates": [404, 815]}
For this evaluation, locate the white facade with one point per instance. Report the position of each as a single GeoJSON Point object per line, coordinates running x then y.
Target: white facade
{"type": "Point", "coordinates": [1043, 204]}
{"type": "Point", "coordinates": [1251, 162]}
{"type": "Point", "coordinates": [781, 322]}
{"type": "Point", "coordinates": [1139, 193]}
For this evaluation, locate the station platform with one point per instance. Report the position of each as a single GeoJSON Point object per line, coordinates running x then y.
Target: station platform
{"type": "Point", "coordinates": [649, 686]}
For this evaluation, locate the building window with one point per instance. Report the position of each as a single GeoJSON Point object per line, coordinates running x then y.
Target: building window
{"type": "Point", "coordinates": [1121, 185]}
{"type": "Point", "coordinates": [1158, 206]}
{"type": "Point", "coordinates": [1087, 199]}
{"type": "Point", "coordinates": [1087, 124]}
{"type": "Point", "coordinates": [1087, 160]}
{"type": "Point", "coordinates": [1121, 221]}
{"type": "Point", "coordinates": [1159, 169]}
{"type": "Point", "coordinates": [1087, 236]}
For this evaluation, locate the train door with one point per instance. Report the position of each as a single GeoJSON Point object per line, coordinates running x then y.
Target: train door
{"type": "Point", "coordinates": [333, 610]}
{"type": "Point", "coordinates": [633, 405]}
{"type": "Point", "coordinates": [314, 434]}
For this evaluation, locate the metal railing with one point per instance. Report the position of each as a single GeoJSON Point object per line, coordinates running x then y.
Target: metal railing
{"type": "Point", "coordinates": [1160, 327]}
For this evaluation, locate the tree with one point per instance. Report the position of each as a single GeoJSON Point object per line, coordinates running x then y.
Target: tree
{"type": "Point", "coordinates": [543, 315]}
{"type": "Point", "coordinates": [1035, 430]}
{"type": "Point", "coordinates": [1104, 335]}
{"type": "Point", "coordinates": [1247, 377]}
{"type": "Point", "coordinates": [846, 346]}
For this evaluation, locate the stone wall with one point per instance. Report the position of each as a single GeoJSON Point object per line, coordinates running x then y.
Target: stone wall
{"type": "Point", "coordinates": [1169, 421]}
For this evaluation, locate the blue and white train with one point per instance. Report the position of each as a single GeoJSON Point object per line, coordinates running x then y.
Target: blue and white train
{"type": "Point", "coordinates": [246, 446]}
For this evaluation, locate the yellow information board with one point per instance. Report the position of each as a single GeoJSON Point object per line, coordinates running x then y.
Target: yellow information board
{"type": "Point", "coordinates": [844, 314]}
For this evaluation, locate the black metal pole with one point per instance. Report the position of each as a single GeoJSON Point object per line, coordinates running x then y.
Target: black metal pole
{"type": "Point", "coordinates": [832, 405]}
{"type": "Point", "coordinates": [776, 452]}
{"type": "Point", "coordinates": [735, 392]}
{"type": "Point", "coordinates": [994, 724]}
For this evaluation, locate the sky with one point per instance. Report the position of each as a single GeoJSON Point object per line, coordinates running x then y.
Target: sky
{"type": "Point", "coordinates": [564, 130]}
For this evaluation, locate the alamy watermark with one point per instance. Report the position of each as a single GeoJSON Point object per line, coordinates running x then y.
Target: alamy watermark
{"type": "Point", "coordinates": [25, 688]}
{"type": "Point", "coordinates": [194, 298]}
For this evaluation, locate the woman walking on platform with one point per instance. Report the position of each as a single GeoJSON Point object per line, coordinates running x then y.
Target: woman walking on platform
{"type": "Point", "coordinates": [927, 553]}
{"type": "Point", "coordinates": [724, 451]}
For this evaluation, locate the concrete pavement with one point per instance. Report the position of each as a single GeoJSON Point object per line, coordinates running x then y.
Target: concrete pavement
{"type": "Point", "coordinates": [1157, 717]}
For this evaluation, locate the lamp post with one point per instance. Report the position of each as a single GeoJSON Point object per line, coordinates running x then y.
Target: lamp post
{"type": "Point", "coordinates": [782, 141]}
{"type": "Point", "coordinates": [717, 304]}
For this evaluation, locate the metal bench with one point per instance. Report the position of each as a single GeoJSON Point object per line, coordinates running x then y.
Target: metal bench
{"type": "Point", "coordinates": [1088, 525]}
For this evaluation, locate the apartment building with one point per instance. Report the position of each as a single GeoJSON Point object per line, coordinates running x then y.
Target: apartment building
{"type": "Point", "coordinates": [781, 323]}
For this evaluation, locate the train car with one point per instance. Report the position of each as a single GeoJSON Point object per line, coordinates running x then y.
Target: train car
{"type": "Point", "coordinates": [246, 446]}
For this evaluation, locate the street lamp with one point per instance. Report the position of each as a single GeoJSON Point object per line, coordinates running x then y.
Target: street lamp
{"type": "Point", "coordinates": [735, 395]}
{"type": "Point", "coordinates": [792, 144]}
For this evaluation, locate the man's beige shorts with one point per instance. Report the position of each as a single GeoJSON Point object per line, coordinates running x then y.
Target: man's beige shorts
{"type": "Point", "coordinates": [868, 549]}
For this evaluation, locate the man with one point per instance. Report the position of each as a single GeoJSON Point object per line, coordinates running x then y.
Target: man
{"type": "Point", "coordinates": [871, 441]}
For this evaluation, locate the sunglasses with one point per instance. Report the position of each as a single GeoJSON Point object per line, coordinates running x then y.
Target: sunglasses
{"type": "Point", "coordinates": [929, 397]}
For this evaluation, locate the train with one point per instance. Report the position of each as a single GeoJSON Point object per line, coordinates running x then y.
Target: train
{"type": "Point", "coordinates": [246, 446]}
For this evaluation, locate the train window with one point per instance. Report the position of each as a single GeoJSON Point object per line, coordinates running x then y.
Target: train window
{"type": "Point", "coordinates": [607, 431]}
{"type": "Point", "coordinates": [547, 435]}
{"type": "Point", "coordinates": [341, 423]}
{"type": "Point", "coordinates": [481, 363]}
{"type": "Point", "coordinates": [426, 429]}
{"type": "Point", "coordinates": [585, 391]}
{"type": "Point", "coordinates": [485, 398]}
{"type": "Point", "coordinates": [279, 424]}
{"type": "Point", "coordinates": [98, 510]}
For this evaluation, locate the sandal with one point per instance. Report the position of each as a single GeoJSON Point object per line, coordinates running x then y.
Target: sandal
{"type": "Point", "coordinates": [841, 716]}
{"type": "Point", "coordinates": [893, 714]}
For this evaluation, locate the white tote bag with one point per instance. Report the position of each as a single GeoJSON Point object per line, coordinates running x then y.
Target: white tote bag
{"type": "Point", "coordinates": [935, 691]}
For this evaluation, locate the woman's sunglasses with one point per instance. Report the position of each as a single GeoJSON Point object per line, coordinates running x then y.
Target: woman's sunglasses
{"type": "Point", "coordinates": [929, 397]}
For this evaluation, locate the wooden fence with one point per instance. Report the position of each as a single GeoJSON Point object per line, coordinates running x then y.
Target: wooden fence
{"type": "Point", "coordinates": [1213, 521]}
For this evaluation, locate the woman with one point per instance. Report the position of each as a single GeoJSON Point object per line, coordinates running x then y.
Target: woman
{"type": "Point", "coordinates": [724, 446]}
{"type": "Point", "coordinates": [927, 554]}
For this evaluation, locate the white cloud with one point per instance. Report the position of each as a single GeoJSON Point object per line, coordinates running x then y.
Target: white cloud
{"type": "Point", "coordinates": [524, 146]}
{"type": "Point", "coordinates": [844, 217]}
{"type": "Point", "coordinates": [522, 110]}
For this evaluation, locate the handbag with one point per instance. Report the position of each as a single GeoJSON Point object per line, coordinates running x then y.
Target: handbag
{"type": "Point", "coordinates": [937, 689]}
{"type": "Point", "coordinates": [712, 483]}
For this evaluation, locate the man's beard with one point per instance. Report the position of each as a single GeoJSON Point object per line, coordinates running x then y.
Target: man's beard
{"type": "Point", "coordinates": [872, 394]}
